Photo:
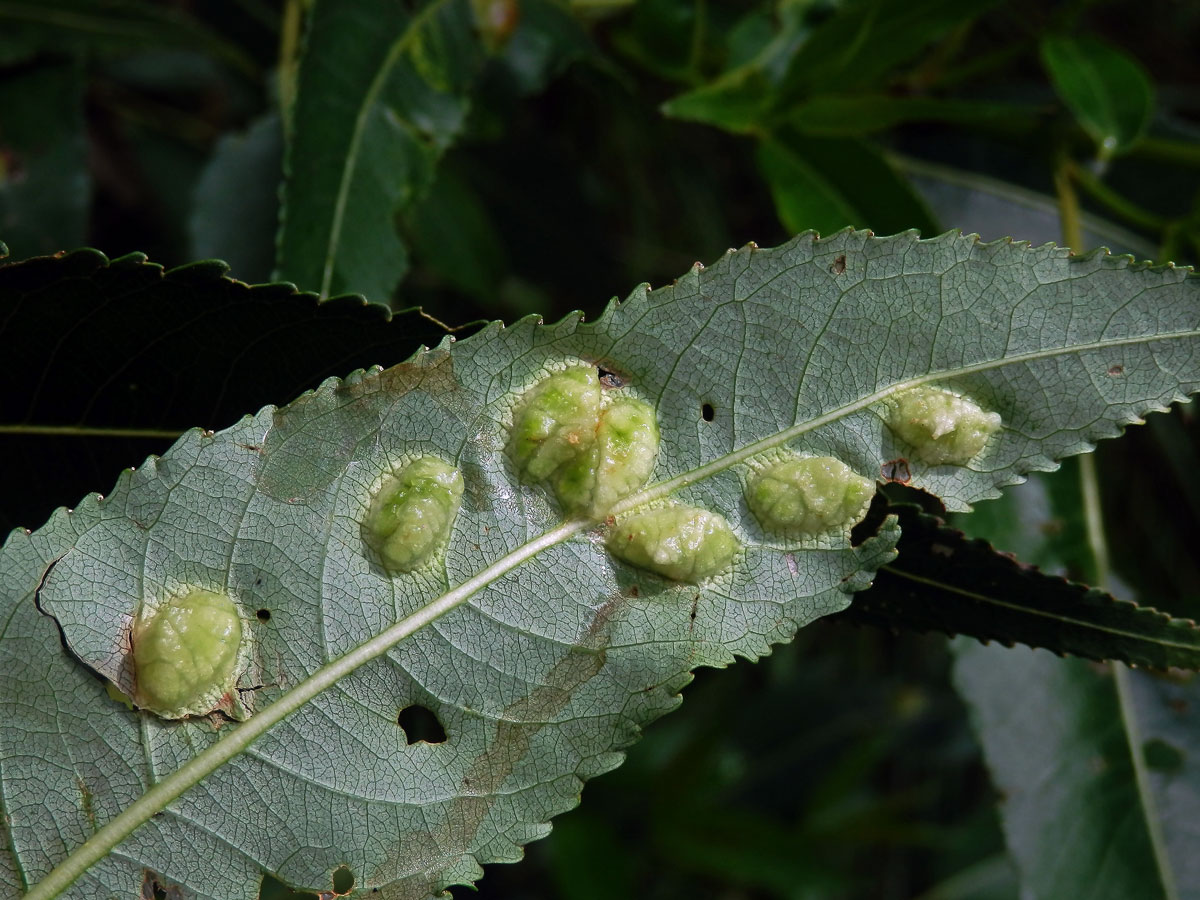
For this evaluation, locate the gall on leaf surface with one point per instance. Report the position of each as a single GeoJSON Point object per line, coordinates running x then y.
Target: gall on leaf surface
{"type": "Point", "coordinates": [540, 656]}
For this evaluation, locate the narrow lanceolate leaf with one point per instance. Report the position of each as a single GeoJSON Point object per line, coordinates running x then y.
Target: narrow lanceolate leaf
{"type": "Point", "coordinates": [541, 643]}
{"type": "Point", "coordinates": [1108, 91]}
{"type": "Point", "coordinates": [121, 357]}
{"type": "Point", "coordinates": [381, 93]}
{"type": "Point", "coordinates": [1093, 762]}
{"type": "Point", "coordinates": [945, 581]}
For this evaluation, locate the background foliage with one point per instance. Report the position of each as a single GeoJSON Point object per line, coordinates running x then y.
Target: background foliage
{"type": "Point", "coordinates": [477, 159]}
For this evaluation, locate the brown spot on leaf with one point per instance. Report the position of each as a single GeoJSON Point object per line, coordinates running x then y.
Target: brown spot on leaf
{"type": "Point", "coordinates": [839, 265]}
{"type": "Point", "coordinates": [1114, 371]}
{"type": "Point", "coordinates": [516, 727]}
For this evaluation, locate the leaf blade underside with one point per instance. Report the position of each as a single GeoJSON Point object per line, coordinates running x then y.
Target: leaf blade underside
{"type": "Point", "coordinates": [546, 674]}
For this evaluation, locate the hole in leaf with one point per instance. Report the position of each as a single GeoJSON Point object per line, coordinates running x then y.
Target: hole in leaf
{"type": "Point", "coordinates": [420, 724]}
{"type": "Point", "coordinates": [707, 412]}
{"type": "Point", "coordinates": [264, 615]}
{"type": "Point", "coordinates": [343, 880]}
{"type": "Point", "coordinates": [274, 889]}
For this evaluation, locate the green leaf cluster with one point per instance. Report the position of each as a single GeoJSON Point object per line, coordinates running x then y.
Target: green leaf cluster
{"type": "Point", "coordinates": [410, 718]}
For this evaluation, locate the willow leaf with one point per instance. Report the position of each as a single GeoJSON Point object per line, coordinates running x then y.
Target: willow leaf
{"type": "Point", "coordinates": [381, 94]}
{"type": "Point", "coordinates": [540, 655]}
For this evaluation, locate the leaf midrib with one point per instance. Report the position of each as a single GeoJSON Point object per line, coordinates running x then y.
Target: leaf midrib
{"type": "Point", "coordinates": [354, 150]}
{"type": "Point", "coordinates": [216, 755]}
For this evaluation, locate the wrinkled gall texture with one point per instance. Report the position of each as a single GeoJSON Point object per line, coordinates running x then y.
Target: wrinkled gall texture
{"type": "Point", "coordinates": [942, 427]}
{"type": "Point", "coordinates": [808, 495]}
{"type": "Point", "coordinates": [185, 655]}
{"type": "Point", "coordinates": [618, 462]}
{"type": "Point", "coordinates": [591, 453]}
{"type": "Point", "coordinates": [556, 419]}
{"type": "Point", "coordinates": [412, 514]}
{"type": "Point", "coordinates": [682, 543]}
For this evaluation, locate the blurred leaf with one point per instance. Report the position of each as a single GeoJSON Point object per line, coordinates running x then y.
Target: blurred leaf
{"type": "Point", "coordinates": [740, 99]}
{"type": "Point", "coordinates": [994, 208]}
{"type": "Point", "coordinates": [944, 581]}
{"type": "Point", "coordinates": [236, 208]}
{"type": "Point", "coordinates": [1059, 752]}
{"type": "Point", "coordinates": [830, 183]}
{"type": "Point", "coordinates": [45, 189]}
{"type": "Point", "coordinates": [381, 93]}
{"type": "Point", "coordinates": [121, 356]}
{"type": "Point", "coordinates": [28, 26]}
{"type": "Point", "coordinates": [1070, 743]}
{"type": "Point", "coordinates": [737, 101]}
{"type": "Point", "coordinates": [547, 39]}
{"type": "Point", "coordinates": [454, 238]}
{"type": "Point", "coordinates": [1107, 90]}
{"type": "Point", "coordinates": [590, 861]}
{"type": "Point", "coordinates": [864, 40]}
{"type": "Point", "coordinates": [833, 115]}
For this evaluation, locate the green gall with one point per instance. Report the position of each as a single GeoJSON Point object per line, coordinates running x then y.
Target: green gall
{"type": "Point", "coordinates": [185, 655]}
{"type": "Point", "coordinates": [591, 453]}
{"type": "Point", "coordinates": [555, 422]}
{"type": "Point", "coordinates": [413, 512]}
{"type": "Point", "coordinates": [943, 428]}
{"type": "Point", "coordinates": [808, 495]}
{"type": "Point", "coordinates": [682, 543]}
{"type": "Point", "coordinates": [617, 463]}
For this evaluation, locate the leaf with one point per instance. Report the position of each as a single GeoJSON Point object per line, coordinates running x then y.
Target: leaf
{"type": "Point", "coordinates": [829, 183]}
{"type": "Point", "coordinates": [1107, 90]}
{"type": "Point", "coordinates": [1089, 757]}
{"type": "Point", "coordinates": [539, 655]}
{"type": "Point", "coordinates": [944, 581]}
{"type": "Point", "coordinates": [109, 26]}
{"type": "Point", "coordinates": [993, 208]}
{"type": "Point", "coordinates": [381, 93]}
{"type": "Point", "coordinates": [45, 187]}
{"type": "Point", "coordinates": [236, 210]}
{"type": "Point", "coordinates": [121, 357]}
{"type": "Point", "coordinates": [832, 115]}
{"type": "Point", "coordinates": [862, 41]}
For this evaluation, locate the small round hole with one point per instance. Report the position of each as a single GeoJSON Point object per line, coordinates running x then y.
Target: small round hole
{"type": "Point", "coordinates": [264, 615]}
{"type": "Point", "coordinates": [420, 724]}
{"type": "Point", "coordinates": [707, 412]}
{"type": "Point", "coordinates": [343, 880]}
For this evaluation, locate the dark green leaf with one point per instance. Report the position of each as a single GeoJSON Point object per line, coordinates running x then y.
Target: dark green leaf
{"type": "Point", "coordinates": [1107, 90]}
{"type": "Point", "coordinates": [45, 188]}
{"type": "Point", "coordinates": [28, 26]}
{"type": "Point", "coordinates": [1081, 753]}
{"type": "Point", "coordinates": [455, 239]}
{"type": "Point", "coordinates": [381, 93]}
{"type": "Point", "coordinates": [547, 39]}
{"type": "Point", "coordinates": [864, 40]}
{"type": "Point", "coordinates": [944, 581]}
{"type": "Point", "coordinates": [829, 183]}
{"type": "Point", "coordinates": [736, 102]}
{"type": "Point", "coordinates": [121, 356]}
{"type": "Point", "coordinates": [832, 115]}
{"type": "Point", "coordinates": [1056, 744]}
{"type": "Point", "coordinates": [236, 210]}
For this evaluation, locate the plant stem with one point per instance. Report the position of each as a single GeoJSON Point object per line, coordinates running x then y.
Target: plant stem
{"type": "Point", "coordinates": [1168, 150]}
{"type": "Point", "coordinates": [1117, 203]}
{"type": "Point", "coordinates": [1068, 203]}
